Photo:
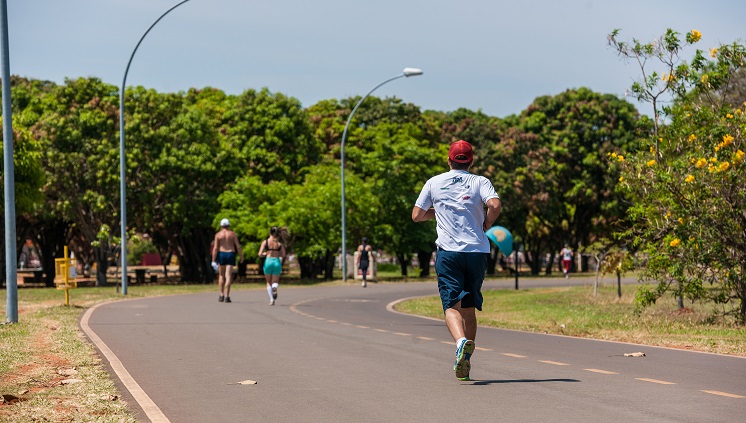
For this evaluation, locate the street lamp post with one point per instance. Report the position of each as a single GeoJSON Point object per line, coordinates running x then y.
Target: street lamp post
{"type": "Point", "coordinates": [122, 161]}
{"type": "Point", "coordinates": [407, 72]}
{"type": "Point", "coordinates": [11, 284]}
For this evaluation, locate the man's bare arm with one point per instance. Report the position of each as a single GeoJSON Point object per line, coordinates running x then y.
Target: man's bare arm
{"type": "Point", "coordinates": [238, 247]}
{"type": "Point", "coordinates": [494, 205]}
{"type": "Point", "coordinates": [421, 215]}
{"type": "Point", "coordinates": [215, 248]}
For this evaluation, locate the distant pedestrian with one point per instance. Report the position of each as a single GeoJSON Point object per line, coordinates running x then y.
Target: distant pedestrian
{"type": "Point", "coordinates": [273, 251]}
{"type": "Point", "coordinates": [456, 200]}
{"type": "Point", "coordinates": [225, 248]}
{"type": "Point", "coordinates": [566, 255]}
{"type": "Point", "coordinates": [30, 257]}
{"type": "Point", "coordinates": [365, 255]}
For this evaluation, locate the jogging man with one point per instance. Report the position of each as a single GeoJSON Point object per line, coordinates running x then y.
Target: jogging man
{"type": "Point", "coordinates": [456, 200]}
{"type": "Point", "coordinates": [225, 247]}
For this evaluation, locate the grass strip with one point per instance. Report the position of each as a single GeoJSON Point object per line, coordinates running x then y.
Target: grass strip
{"type": "Point", "coordinates": [574, 311]}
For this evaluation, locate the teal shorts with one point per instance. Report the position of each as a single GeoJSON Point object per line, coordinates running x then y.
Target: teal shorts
{"type": "Point", "coordinates": [272, 266]}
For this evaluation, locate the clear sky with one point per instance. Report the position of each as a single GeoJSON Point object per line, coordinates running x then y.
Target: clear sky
{"type": "Point", "coordinates": [489, 55]}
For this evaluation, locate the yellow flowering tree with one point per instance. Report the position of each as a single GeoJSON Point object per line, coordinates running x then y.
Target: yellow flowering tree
{"type": "Point", "coordinates": [689, 203]}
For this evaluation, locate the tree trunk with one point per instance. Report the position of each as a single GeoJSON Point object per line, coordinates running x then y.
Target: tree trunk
{"type": "Point", "coordinates": [424, 259]}
{"type": "Point", "coordinates": [550, 264]}
{"type": "Point", "coordinates": [403, 262]}
{"type": "Point", "coordinates": [534, 262]}
{"type": "Point", "coordinates": [2, 260]}
{"type": "Point", "coordinates": [742, 286]}
{"type": "Point", "coordinates": [194, 256]}
{"type": "Point", "coordinates": [101, 255]}
{"type": "Point", "coordinates": [328, 265]}
{"type": "Point", "coordinates": [492, 260]}
{"type": "Point", "coordinates": [619, 283]}
{"type": "Point", "coordinates": [583, 263]}
{"type": "Point", "coordinates": [306, 267]}
{"type": "Point", "coordinates": [52, 237]}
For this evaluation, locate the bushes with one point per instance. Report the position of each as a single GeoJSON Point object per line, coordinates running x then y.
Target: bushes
{"type": "Point", "coordinates": [138, 246]}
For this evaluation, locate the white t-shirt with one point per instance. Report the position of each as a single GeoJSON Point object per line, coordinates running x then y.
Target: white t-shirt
{"type": "Point", "coordinates": [566, 254]}
{"type": "Point", "coordinates": [458, 198]}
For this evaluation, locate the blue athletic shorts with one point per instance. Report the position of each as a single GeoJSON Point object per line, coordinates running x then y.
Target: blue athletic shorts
{"type": "Point", "coordinates": [272, 266]}
{"type": "Point", "coordinates": [460, 278]}
{"type": "Point", "coordinates": [226, 258]}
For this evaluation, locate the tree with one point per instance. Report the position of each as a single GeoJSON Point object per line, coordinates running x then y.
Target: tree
{"type": "Point", "coordinates": [392, 148]}
{"type": "Point", "coordinates": [81, 144]}
{"type": "Point", "coordinates": [688, 188]}
{"type": "Point", "coordinates": [397, 161]}
{"type": "Point", "coordinates": [310, 210]}
{"type": "Point", "coordinates": [28, 173]}
{"type": "Point", "coordinates": [183, 177]}
{"type": "Point", "coordinates": [552, 173]}
{"type": "Point", "coordinates": [272, 135]}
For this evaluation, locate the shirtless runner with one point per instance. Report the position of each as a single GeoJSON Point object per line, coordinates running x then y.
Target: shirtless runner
{"type": "Point", "coordinates": [225, 247]}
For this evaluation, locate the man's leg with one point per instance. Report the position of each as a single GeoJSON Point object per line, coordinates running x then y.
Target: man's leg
{"type": "Point", "coordinates": [470, 322]}
{"type": "Point", "coordinates": [221, 281]}
{"type": "Point", "coordinates": [228, 280]}
{"type": "Point", "coordinates": [455, 322]}
{"type": "Point", "coordinates": [462, 324]}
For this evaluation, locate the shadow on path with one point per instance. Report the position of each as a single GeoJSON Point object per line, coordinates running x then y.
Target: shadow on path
{"type": "Point", "coordinates": [490, 382]}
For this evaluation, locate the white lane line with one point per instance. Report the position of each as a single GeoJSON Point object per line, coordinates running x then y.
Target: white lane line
{"type": "Point", "coordinates": [446, 342]}
{"type": "Point", "coordinates": [723, 394]}
{"type": "Point", "coordinates": [362, 327]}
{"type": "Point", "coordinates": [662, 382]}
{"type": "Point", "coordinates": [514, 355]}
{"type": "Point", "coordinates": [148, 406]}
{"type": "Point", "coordinates": [425, 338]}
{"type": "Point", "coordinates": [605, 372]}
{"type": "Point", "coordinates": [380, 330]}
{"type": "Point", "coordinates": [556, 363]}
{"type": "Point", "coordinates": [482, 349]}
{"type": "Point", "coordinates": [402, 334]}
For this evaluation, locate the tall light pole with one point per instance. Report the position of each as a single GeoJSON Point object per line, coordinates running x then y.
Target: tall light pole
{"type": "Point", "coordinates": [11, 305]}
{"type": "Point", "coordinates": [407, 72]}
{"type": "Point", "coordinates": [122, 161]}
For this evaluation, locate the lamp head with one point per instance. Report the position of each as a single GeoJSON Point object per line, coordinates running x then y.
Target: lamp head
{"type": "Point", "coordinates": [412, 72]}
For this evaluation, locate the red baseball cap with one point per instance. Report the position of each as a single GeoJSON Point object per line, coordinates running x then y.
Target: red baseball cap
{"type": "Point", "coordinates": [461, 152]}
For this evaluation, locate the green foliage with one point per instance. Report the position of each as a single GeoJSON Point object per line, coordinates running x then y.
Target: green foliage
{"type": "Point", "coordinates": [271, 134]}
{"type": "Point", "coordinates": [26, 96]}
{"type": "Point", "coordinates": [395, 162]}
{"type": "Point", "coordinates": [550, 169]}
{"type": "Point", "coordinates": [260, 159]}
{"type": "Point", "coordinates": [687, 189]}
{"type": "Point", "coordinates": [138, 246]}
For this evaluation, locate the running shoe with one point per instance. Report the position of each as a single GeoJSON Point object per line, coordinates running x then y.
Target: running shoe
{"type": "Point", "coordinates": [227, 299]}
{"type": "Point", "coordinates": [364, 284]}
{"type": "Point", "coordinates": [274, 293]}
{"type": "Point", "coordinates": [463, 356]}
{"type": "Point", "coordinates": [272, 302]}
{"type": "Point", "coordinates": [220, 299]}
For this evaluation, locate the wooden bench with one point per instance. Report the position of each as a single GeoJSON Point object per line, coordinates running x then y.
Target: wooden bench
{"type": "Point", "coordinates": [141, 272]}
{"type": "Point", "coordinates": [29, 276]}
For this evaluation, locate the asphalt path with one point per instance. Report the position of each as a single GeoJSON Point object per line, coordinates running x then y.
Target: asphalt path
{"type": "Point", "coordinates": [342, 354]}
